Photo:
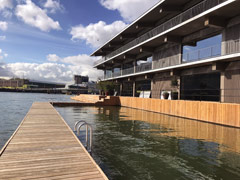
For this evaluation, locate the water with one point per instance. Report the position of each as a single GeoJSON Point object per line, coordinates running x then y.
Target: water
{"type": "Point", "coordinates": [14, 107]}
{"type": "Point", "coordinates": [130, 144]}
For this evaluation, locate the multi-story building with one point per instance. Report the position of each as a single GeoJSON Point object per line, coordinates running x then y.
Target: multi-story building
{"type": "Point", "coordinates": [80, 79]}
{"type": "Point", "coordinates": [189, 46]}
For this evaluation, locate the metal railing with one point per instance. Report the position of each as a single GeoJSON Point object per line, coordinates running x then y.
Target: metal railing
{"type": "Point", "coordinates": [203, 53]}
{"type": "Point", "coordinates": [88, 128]}
{"type": "Point", "coordinates": [144, 67]}
{"type": "Point", "coordinates": [188, 14]}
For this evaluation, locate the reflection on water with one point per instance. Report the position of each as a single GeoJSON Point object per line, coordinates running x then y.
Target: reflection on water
{"type": "Point", "coordinates": [135, 144]}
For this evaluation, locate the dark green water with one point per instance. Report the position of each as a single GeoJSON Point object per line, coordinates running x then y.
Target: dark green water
{"type": "Point", "coordinates": [130, 144]}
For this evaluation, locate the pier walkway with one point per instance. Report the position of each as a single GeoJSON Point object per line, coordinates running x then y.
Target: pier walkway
{"type": "Point", "coordinates": [44, 147]}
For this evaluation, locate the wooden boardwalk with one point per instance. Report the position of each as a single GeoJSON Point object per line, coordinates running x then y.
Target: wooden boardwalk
{"type": "Point", "coordinates": [44, 147]}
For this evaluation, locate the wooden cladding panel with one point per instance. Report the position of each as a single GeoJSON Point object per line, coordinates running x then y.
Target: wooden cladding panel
{"type": "Point", "coordinates": [220, 113]}
{"type": "Point", "coordinates": [213, 112]}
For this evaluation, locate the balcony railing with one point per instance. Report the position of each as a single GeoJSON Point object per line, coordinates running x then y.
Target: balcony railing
{"type": "Point", "coordinates": [116, 74]}
{"type": "Point", "coordinates": [226, 48]}
{"type": "Point", "coordinates": [144, 67]}
{"type": "Point", "coordinates": [200, 54]}
{"type": "Point", "coordinates": [128, 71]}
{"type": "Point", "coordinates": [188, 14]}
{"type": "Point", "coordinates": [109, 75]}
{"type": "Point", "coordinates": [99, 61]}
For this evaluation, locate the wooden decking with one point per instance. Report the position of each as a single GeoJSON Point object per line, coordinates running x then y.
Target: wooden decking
{"type": "Point", "coordinates": [44, 147]}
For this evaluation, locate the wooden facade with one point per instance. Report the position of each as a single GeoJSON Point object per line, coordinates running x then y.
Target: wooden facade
{"type": "Point", "coordinates": [213, 112]}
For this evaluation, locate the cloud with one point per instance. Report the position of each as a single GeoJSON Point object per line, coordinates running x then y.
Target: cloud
{"type": "Point", "coordinates": [129, 9]}
{"type": "Point", "coordinates": [2, 54]}
{"type": "Point", "coordinates": [97, 34]}
{"type": "Point", "coordinates": [62, 70]}
{"type": "Point", "coordinates": [53, 6]}
{"type": "Point", "coordinates": [2, 38]}
{"type": "Point", "coordinates": [7, 14]}
{"type": "Point", "coordinates": [53, 58]}
{"type": "Point", "coordinates": [3, 25]}
{"type": "Point", "coordinates": [6, 4]}
{"type": "Point", "coordinates": [34, 16]}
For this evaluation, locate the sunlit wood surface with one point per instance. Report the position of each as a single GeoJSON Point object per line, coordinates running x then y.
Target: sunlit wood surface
{"type": "Point", "coordinates": [44, 147]}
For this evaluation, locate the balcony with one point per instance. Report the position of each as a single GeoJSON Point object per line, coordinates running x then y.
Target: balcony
{"type": "Point", "coordinates": [116, 74]}
{"type": "Point", "coordinates": [144, 67]}
{"type": "Point", "coordinates": [218, 50]}
{"type": "Point", "coordinates": [200, 54]}
{"type": "Point", "coordinates": [128, 71]}
{"type": "Point", "coordinates": [177, 20]}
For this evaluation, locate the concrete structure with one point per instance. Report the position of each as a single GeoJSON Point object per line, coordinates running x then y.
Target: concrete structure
{"type": "Point", "coordinates": [187, 46]}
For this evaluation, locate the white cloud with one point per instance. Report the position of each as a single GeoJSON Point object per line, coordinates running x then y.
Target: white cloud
{"type": "Point", "coordinates": [2, 38]}
{"type": "Point", "coordinates": [129, 9]}
{"type": "Point", "coordinates": [53, 5]}
{"type": "Point", "coordinates": [6, 4]}
{"type": "Point", "coordinates": [2, 54]}
{"type": "Point", "coordinates": [61, 71]}
{"type": "Point", "coordinates": [35, 16]}
{"type": "Point", "coordinates": [7, 14]}
{"type": "Point", "coordinates": [53, 58]}
{"type": "Point", "coordinates": [97, 34]}
{"type": "Point", "coordinates": [3, 25]}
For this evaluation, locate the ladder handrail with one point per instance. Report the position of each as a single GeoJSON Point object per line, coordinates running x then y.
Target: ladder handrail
{"type": "Point", "coordinates": [88, 127]}
{"type": "Point", "coordinates": [75, 126]}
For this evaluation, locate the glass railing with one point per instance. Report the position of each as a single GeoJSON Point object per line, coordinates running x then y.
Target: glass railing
{"type": "Point", "coordinates": [144, 67]}
{"type": "Point", "coordinates": [188, 14]}
{"type": "Point", "coordinates": [128, 71]}
{"type": "Point", "coordinates": [225, 48]}
{"type": "Point", "coordinates": [116, 74]}
{"type": "Point", "coordinates": [203, 53]}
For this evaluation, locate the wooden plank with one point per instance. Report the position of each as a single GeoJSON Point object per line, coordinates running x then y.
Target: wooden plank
{"type": "Point", "coordinates": [44, 147]}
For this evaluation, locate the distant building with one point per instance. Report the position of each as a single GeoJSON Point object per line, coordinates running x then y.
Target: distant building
{"type": "Point", "coordinates": [18, 83]}
{"type": "Point", "coordinates": [80, 79]}
{"type": "Point", "coordinates": [13, 83]}
{"type": "Point", "coordinates": [42, 84]}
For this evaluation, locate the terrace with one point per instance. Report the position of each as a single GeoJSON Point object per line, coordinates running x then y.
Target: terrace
{"type": "Point", "coordinates": [194, 17]}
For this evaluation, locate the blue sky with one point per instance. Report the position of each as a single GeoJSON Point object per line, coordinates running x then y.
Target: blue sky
{"type": "Point", "coordinates": [51, 39]}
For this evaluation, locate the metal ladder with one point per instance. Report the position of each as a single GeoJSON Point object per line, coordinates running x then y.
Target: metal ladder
{"type": "Point", "coordinates": [88, 127]}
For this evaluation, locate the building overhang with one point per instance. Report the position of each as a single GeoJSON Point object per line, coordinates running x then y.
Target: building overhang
{"type": "Point", "coordinates": [164, 9]}
{"type": "Point", "coordinates": [202, 21]}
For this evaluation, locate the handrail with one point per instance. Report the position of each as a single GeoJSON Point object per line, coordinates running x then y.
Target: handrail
{"type": "Point", "coordinates": [75, 126]}
{"type": "Point", "coordinates": [87, 127]}
{"type": "Point", "coordinates": [184, 16]}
